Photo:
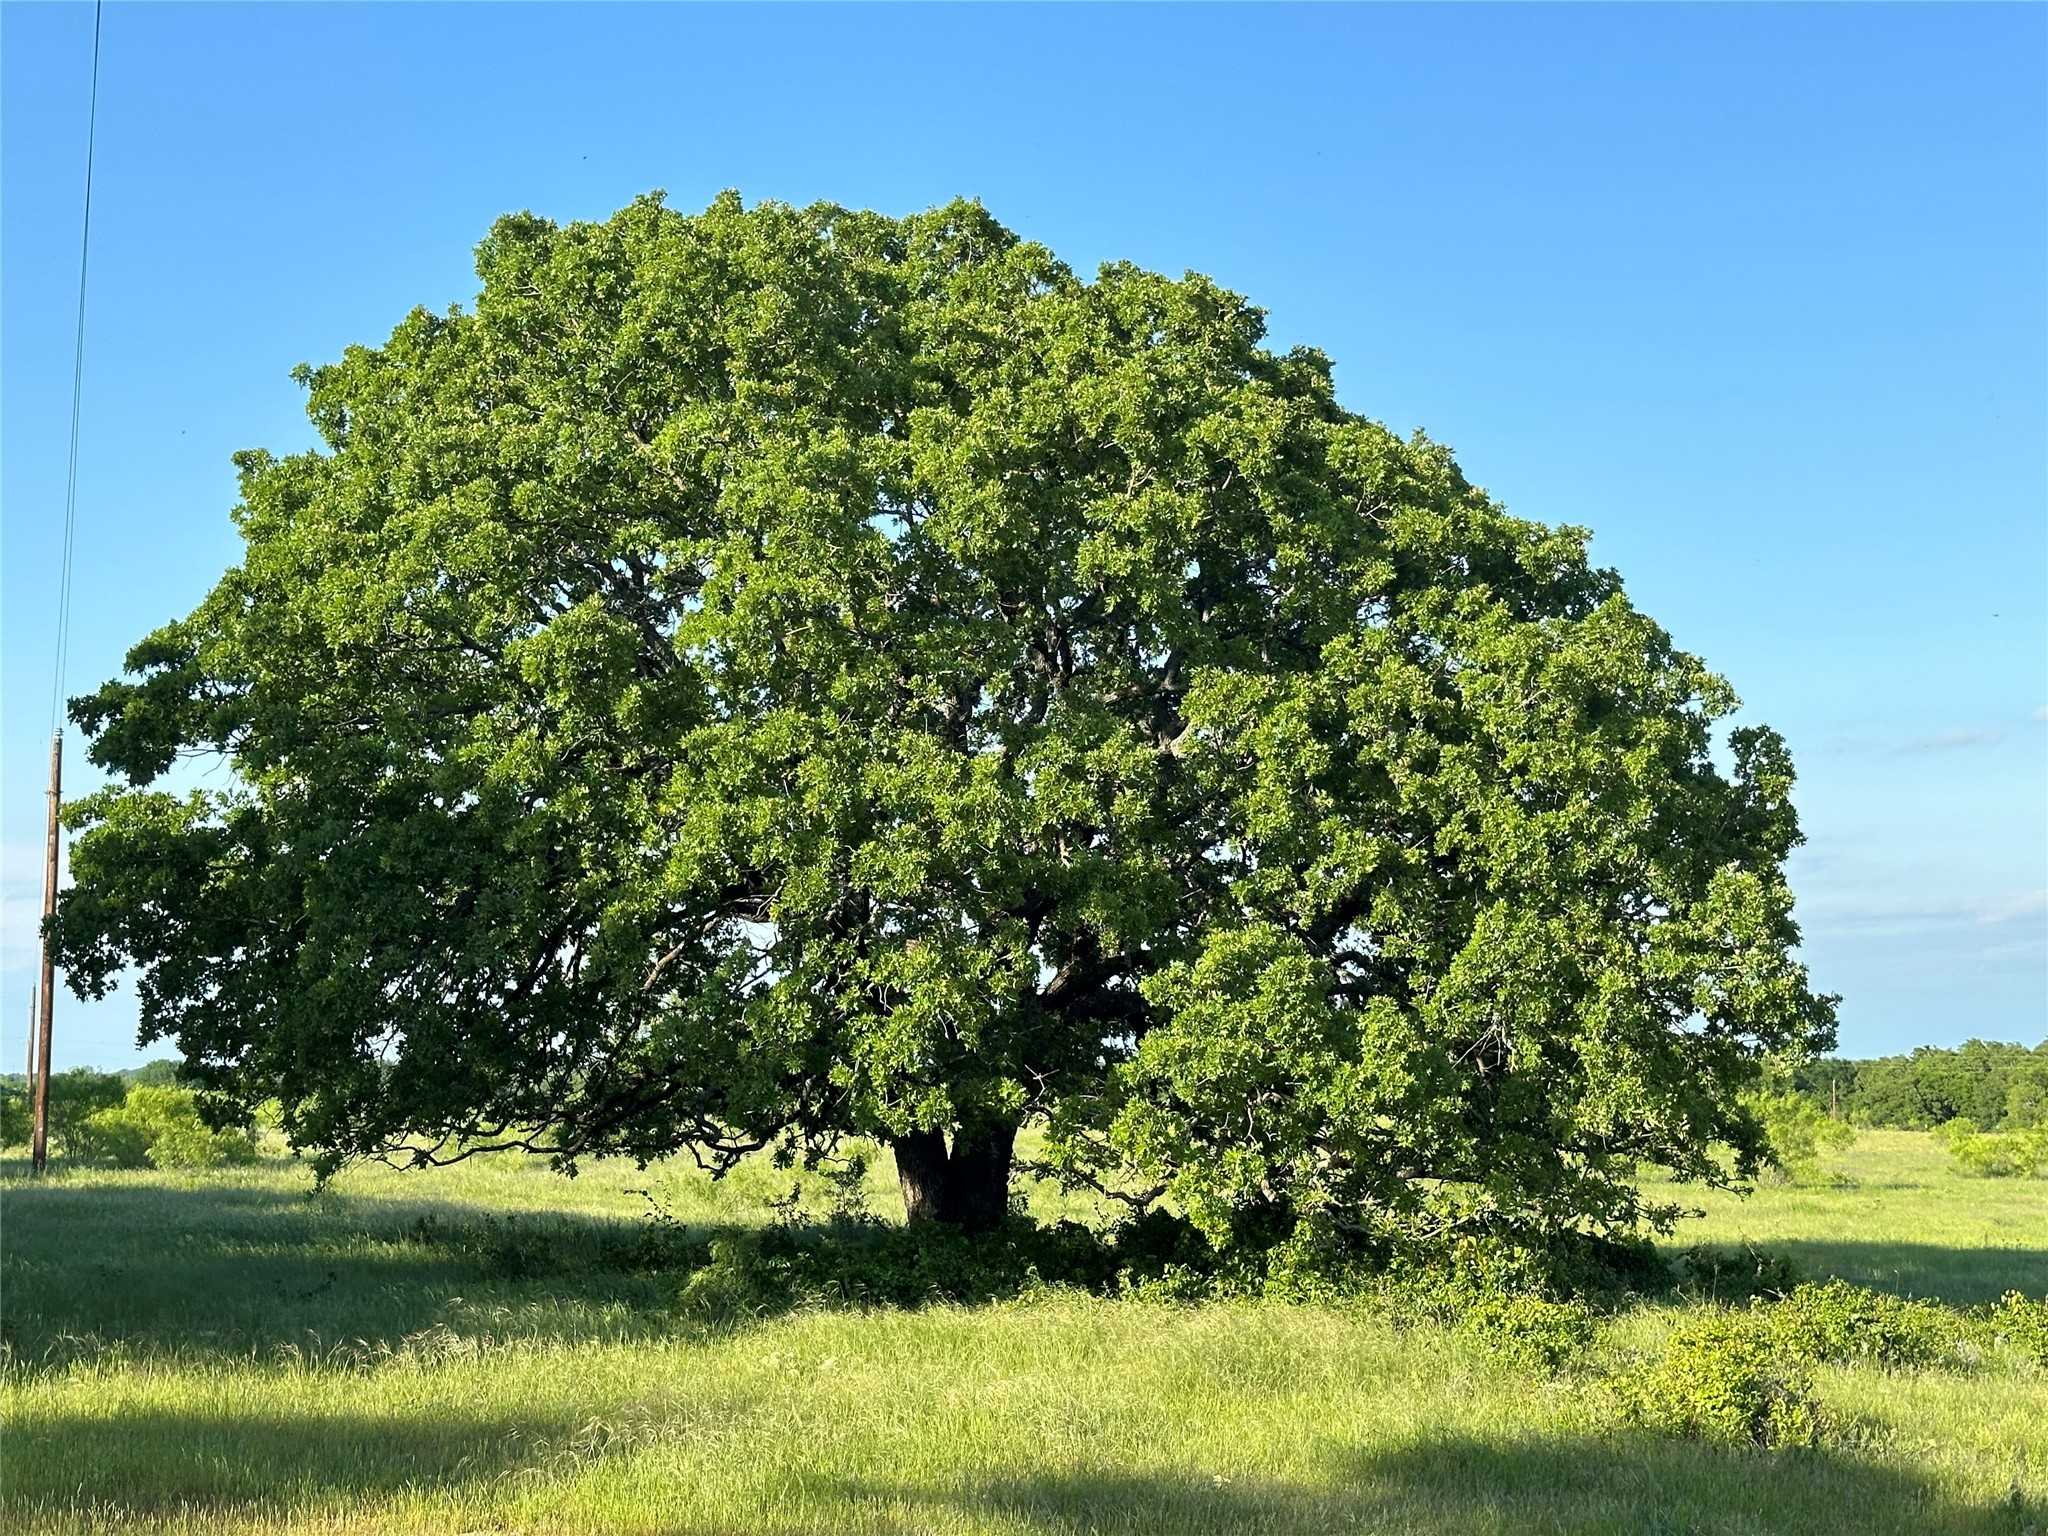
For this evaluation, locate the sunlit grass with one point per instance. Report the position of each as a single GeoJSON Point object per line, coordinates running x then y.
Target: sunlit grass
{"type": "Point", "coordinates": [230, 1353]}
{"type": "Point", "coordinates": [1893, 1212]}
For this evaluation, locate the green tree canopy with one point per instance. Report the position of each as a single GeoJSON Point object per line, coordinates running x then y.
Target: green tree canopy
{"type": "Point", "coordinates": [772, 674]}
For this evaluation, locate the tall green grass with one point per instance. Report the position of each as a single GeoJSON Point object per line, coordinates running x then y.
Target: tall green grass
{"type": "Point", "coordinates": [1895, 1213]}
{"type": "Point", "coordinates": [229, 1352]}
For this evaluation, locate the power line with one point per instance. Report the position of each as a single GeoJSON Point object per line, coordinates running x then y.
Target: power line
{"type": "Point", "coordinates": [77, 393]}
{"type": "Point", "coordinates": [39, 1134]}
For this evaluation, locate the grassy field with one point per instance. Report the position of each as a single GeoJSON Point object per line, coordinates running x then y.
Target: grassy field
{"type": "Point", "coordinates": [228, 1352]}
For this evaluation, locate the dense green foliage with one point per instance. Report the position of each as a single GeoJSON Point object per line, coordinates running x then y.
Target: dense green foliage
{"type": "Point", "coordinates": [1835, 1321]}
{"type": "Point", "coordinates": [76, 1095]}
{"type": "Point", "coordinates": [159, 1127]}
{"type": "Point", "coordinates": [1743, 1273]}
{"type": "Point", "coordinates": [160, 1073]}
{"type": "Point", "coordinates": [1987, 1099]}
{"type": "Point", "coordinates": [137, 1118]}
{"type": "Point", "coordinates": [771, 675]}
{"type": "Point", "coordinates": [2020, 1323]}
{"type": "Point", "coordinates": [1743, 1376]}
{"type": "Point", "coordinates": [2019, 1153]}
{"type": "Point", "coordinates": [1797, 1132]}
{"type": "Point", "coordinates": [1721, 1380]}
{"type": "Point", "coordinates": [1992, 1084]}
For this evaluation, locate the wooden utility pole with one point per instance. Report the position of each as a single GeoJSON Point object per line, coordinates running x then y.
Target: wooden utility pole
{"type": "Point", "coordinates": [39, 1147]}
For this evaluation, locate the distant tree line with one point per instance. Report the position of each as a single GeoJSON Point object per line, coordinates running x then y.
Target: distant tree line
{"type": "Point", "coordinates": [1992, 1084]}
{"type": "Point", "coordinates": [162, 1072]}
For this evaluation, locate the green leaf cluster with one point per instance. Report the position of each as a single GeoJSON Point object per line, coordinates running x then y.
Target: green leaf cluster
{"type": "Point", "coordinates": [1722, 1380]}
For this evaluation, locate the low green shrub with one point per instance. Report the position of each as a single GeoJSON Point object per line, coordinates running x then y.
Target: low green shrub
{"type": "Point", "coordinates": [158, 1127]}
{"type": "Point", "coordinates": [739, 1281]}
{"type": "Point", "coordinates": [14, 1114]}
{"type": "Point", "coordinates": [1739, 1376]}
{"type": "Point", "coordinates": [1603, 1269]}
{"type": "Point", "coordinates": [1159, 1252]}
{"type": "Point", "coordinates": [191, 1144]}
{"type": "Point", "coordinates": [846, 1261]}
{"type": "Point", "coordinates": [1504, 1295]}
{"type": "Point", "coordinates": [1722, 1379]}
{"type": "Point", "coordinates": [1174, 1285]}
{"type": "Point", "coordinates": [1528, 1299]}
{"type": "Point", "coordinates": [2020, 1154]}
{"type": "Point", "coordinates": [1797, 1133]}
{"type": "Point", "coordinates": [507, 1248]}
{"type": "Point", "coordinates": [1562, 1266]}
{"type": "Point", "coordinates": [869, 1263]}
{"type": "Point", "coordinates": [1837, 1322]}
{"type": "Point", "coordinates": [75, 1097]}
{"type": "Point", "coordinates": [2020, 1322]}
{"type": "Point", "coordinates": [1735, 1274]}
{"type": "Point", "coordinates": [1530, 1330]}
{"type": "Point", "coordinates": [526, 1247]}
{"type": "Point", "coordinates": [110, 1136]}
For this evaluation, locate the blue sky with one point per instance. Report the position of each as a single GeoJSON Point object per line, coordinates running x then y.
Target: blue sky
{"type": "Point", "coordinates": [1758, 294]}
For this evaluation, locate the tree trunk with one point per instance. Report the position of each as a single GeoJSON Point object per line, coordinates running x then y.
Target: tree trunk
{"type": "Point", "coordinates": [978, 1177]}
{"type": "Point", "coordinates": [921, 1171]}
{"type": "Point", "coordinates": [966, 1187]}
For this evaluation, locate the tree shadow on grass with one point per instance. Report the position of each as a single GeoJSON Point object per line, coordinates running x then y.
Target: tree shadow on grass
{"type": "Point", "coordinates": [95, 1270]}
{"type": "Point", "coordinates": [1618, 1484]}
{"type": "Point", "coordinates": [1956, 1275]}
{"type": "Point", "coordinates": [242, 1271]}
{"type": "Point", "coordinates": [126, 1468]}
{"type": "Point", "coordinates": [121, 1469]}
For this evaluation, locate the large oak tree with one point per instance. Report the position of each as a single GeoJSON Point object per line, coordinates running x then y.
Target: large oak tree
{"type": "Point", "coordinates": [773, 675]}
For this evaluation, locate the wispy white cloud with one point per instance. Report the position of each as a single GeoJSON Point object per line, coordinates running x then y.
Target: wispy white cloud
{"type": "Point", "coordinates": [1951, 741]}
{"type": "Point", "coordinates": [1851, 915]}
{"type": "Point", "coordinates": [1961, 739]}
{"type": "Point", "coordinates": [2014, 908]}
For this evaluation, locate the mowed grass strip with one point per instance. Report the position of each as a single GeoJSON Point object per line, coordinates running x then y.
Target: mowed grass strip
{"type": "Point", "coordinates": [224, 1354]}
